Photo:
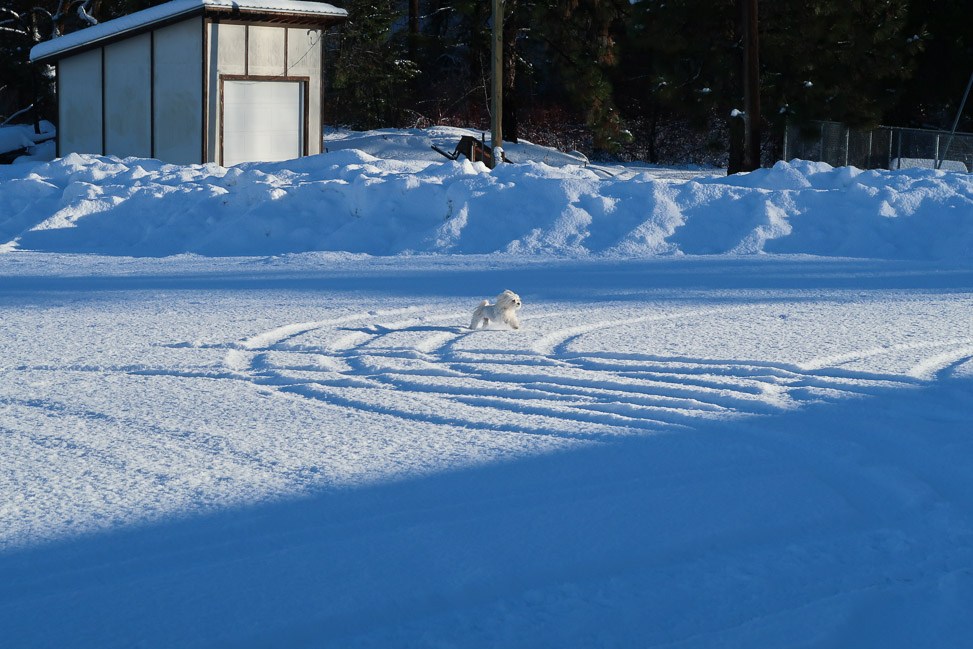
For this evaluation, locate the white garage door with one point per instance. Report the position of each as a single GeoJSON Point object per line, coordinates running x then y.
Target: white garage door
{"type": "Point", "coordinates": [262, 121]}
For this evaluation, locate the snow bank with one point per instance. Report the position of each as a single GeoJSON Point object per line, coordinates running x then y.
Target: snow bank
{"type": "Point", "coordinates": [353, 201]}
{"type": "Point", "coordinates": [417, 144]}
{"type": "Point", "coordinates": [16, 137]}
{"type": "Point", "coordinates": [13, 138]}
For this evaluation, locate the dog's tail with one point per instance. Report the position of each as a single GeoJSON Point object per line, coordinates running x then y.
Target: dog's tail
{"type": "Point", "coordinates": [485, 303]}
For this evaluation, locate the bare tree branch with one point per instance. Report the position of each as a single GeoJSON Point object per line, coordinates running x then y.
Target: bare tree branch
{"type": "Point", "coordinates": [11, 30]}
{"type": "Point", "coordinates": [85, 16]}
{"type": "Point", "coordinates": [17, 114]}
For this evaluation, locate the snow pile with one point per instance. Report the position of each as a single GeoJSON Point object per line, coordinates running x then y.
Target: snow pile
{"type": "Point", "coordinates": [19, 137]}
{"type": "Point", "coordinates": [13, 138]}
{"type": "Point", "coordinates": [353, 201]}
{"type": "Point", "coordinates": [417, 144]}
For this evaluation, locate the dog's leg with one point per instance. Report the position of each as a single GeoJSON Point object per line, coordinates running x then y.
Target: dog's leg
{"type": "Point", "coordinates": [479, 320]}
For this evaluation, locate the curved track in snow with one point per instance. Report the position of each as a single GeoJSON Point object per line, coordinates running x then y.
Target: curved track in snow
{"type": "Point", "coordinates": [425, 367]}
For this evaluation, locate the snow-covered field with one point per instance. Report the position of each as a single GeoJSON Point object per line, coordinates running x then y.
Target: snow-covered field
{"type": "Point", "coordinates": [689, 442]}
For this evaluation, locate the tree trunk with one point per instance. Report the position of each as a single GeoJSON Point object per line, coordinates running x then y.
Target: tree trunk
{"type": "Point", "coordinates": [413, 30]}
{"type": "Point", "coordinates": [751, 88]}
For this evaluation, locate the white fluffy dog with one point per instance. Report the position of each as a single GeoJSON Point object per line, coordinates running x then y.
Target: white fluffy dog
{"type": "Point", "coordinates": [503, 310]}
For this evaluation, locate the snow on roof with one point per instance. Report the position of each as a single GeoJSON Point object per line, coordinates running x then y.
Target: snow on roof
{"type": "Point", "coordinates": [176, 8]}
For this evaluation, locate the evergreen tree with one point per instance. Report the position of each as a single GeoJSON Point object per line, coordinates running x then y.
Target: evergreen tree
{"type": "Point", "coordinates": [583, 43]}
{"type": "Point", "coordinates": [930, 98]}
{"type": "Point", "coordinates": [684, 55]}
{"type": "Point", "coordinates": [841, 61]}
{"type": "Point", "coordinates": [23, 24]}
{"type": "Point", "coordinates": [681, 60]}
{"type": "Point", "coordinates": [372, 72]}
{"type": "Point", "coordinates": [820, 59]}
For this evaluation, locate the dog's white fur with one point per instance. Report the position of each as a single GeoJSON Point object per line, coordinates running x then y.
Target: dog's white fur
{"type": "Point", "coordinates": [503, 310]}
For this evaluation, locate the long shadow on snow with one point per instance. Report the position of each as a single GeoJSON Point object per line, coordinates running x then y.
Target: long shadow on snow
{"type": "Point", "coordinates": [812, 524]}
{"type": "Point", "coordinates": [569, 280]}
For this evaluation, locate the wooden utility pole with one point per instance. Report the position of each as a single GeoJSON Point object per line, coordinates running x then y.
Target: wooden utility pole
{"type": "Point", "coordinates": [496, 82]}
{"type": "Point", "coordinates": [751, 87]}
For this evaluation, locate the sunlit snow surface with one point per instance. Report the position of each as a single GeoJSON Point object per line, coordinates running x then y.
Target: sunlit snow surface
{"type": "Point", "coordinates": [688, 443]}
{"type": "Point", "coordinates": [395, 195]}
{"type": "Point", "coordinates": [314, 451]}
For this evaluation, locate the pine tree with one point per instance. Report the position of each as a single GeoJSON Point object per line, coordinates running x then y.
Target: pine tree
{"type": "Point", "coordinates": [840, 61]}
{"type": "Point", "coordinates": [820, 59]}
{"type": "Point", "coordinates": [684, 55]}
{"type": "Point", "coordinates": [941, 30]}
{"type": "Point", "coordinates": [681, 59]}
{"type": "Point", "coordinates": [372, 72]}
{"type": "Point", "coordinates": [583, 41]}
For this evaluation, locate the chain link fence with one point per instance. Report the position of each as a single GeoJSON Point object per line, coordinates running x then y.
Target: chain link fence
{"type": "Point", "coordinates": [884, 147]}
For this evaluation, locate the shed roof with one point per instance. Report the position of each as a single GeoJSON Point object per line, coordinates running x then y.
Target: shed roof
{"type": "Point", "coordinates": [140, 21]}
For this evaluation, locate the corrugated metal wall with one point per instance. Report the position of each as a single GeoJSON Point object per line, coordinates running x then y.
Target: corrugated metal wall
{"type": "Point", "coordinates": [178, 96]}
{"type": "Point", "coordinates": [128, 97]}
{"type": "Point", "coordinates": [140, 97]}
{"type": "Point", "coordinates": [79, 104]}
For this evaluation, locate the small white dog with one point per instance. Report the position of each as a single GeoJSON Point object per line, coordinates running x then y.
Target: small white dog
{"type": "Point", "coordinates": [504, 310]}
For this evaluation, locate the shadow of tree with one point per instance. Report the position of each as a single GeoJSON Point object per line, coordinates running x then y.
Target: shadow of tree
{"type": "Point", "coordinates": [805, 526]}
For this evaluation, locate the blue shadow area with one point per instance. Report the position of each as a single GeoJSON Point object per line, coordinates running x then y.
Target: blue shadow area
{"type": "Point", "coordinates": [568, 280]}
{"type": "Point", "coordinates": [805, 528]}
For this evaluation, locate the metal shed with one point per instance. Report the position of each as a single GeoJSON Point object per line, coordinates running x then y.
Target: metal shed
{"type": "Point", "coordinates": [195, 81]}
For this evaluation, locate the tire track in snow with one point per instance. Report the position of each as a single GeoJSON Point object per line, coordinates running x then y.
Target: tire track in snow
{"type": "Point", "coordinates": [414, 369]}
{"type": "Point", "coordinates": [275, 336]}
{"type": "Point", "coordinates": [929, 368]}
{"type": "Point", "coordinates": [558, 341]}
{"type": "Point", "coordinates": [920, 370]}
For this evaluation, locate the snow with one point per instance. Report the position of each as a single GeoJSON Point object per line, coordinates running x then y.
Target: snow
{"type": "Point", "coordinates": [927, 163]}
{"type": "Point", "coordinates": [13, 138]}
{"type": "Point", "coordinates": [413, 200]}
{"type": "Point", "coordinates": [242, 407]}
{"type": "Point", "coordinates": [22, 136]}
{"type": "Point", "coordinates": [170, 10]}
